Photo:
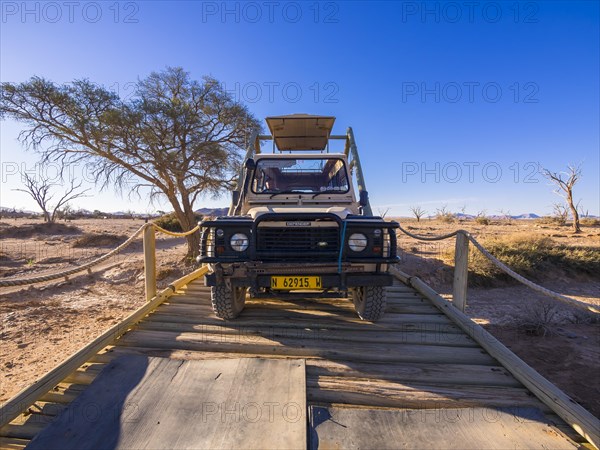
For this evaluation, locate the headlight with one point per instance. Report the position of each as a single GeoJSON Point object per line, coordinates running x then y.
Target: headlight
{"type": "Point", "coordinates": [239, 242]}
{"type": "Point", "coordinates": [357, 242]}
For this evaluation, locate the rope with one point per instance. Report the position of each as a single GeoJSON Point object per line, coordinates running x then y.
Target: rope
{"type": "Point", "coordinates": [507, 270]}
{"type": "Point", "coordinates": [430, 238]}
{"type": "Point", "coordinates": [175, 234]}
{"type": "Point", "coordinates": [526, 282]}
{"type": "Point", "coordinates": [66, 273]}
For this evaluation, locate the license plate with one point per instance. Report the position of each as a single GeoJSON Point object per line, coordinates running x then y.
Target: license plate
{"type": "Point", "coordinates": [296, 283]}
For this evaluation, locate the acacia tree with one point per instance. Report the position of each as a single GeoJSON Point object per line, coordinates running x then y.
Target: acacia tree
{"type": "Point", "coordinates": [40, 191]}
{"type": "Point", "coordinates": [418, 212]}
{"type": "Point", "coordinates": [175, 137]}
{"type": "Point", "coordinates": [565, 182]}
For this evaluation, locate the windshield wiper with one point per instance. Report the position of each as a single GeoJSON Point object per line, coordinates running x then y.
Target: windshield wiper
{"type": "Point", "coordinates": [282, 192]}
{"type": "Point", "coordinates": [325, 192]}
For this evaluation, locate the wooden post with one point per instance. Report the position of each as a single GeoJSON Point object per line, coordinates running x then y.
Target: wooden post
{"type": "Point", "coordinates": [461, 271]}
{"type": "Point", "coordinates": [150, 262]}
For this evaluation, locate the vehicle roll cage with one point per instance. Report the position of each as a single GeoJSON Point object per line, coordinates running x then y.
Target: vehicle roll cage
{"type": "Point", "coordinates": [350, 150]}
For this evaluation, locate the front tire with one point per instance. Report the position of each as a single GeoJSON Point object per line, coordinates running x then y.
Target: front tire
{"type": "Point", "coordinates": [369, 302]}
{"type": "Point", "coordinates": [227, 303]}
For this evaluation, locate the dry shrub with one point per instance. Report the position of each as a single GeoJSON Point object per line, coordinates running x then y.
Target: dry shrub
{"type": "Point", "coordinates": [39, 229]}
{"type": "Point", "coordinates": [539, 317]}
{"type": "Point", "coordinates": [590, 222]}
{"type": "Point", "coordinates": [99, 240]}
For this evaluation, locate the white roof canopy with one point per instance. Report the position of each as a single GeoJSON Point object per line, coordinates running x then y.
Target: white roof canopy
{"type": "Point", "coordinates": [300, 131]}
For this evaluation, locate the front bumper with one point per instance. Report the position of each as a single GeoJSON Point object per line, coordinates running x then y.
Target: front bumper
{"type": "Point", "coordinates": [341, 281]}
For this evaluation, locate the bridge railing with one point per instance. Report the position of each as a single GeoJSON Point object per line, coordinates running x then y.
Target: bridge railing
{"type": "Point", "coordinates": [461, 270]}
{"type": "Point", "coordinates": [148, 231]}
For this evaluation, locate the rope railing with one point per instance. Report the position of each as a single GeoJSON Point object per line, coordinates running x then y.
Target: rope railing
{"type": "Point", "coordinates": [95, 262]}
{"type": "Point", "coordinates": [429, 238]}
{"type": "Point", "coordinates": [461, 266]}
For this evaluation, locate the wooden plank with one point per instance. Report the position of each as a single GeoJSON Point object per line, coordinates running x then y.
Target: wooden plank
{"type": "Point", "coordinates": [12, 443]}
{"type": "Point", "coordinates": [333, 350]}
{"type": "Point", "coordinates": [64, 393]}
{"type": "Point", "coordinates": [25, 427]}
{"type": "Point", "coordinates": [231, 332]}
{"type": "Point", "coordinates": [13, 407]}
{"type": "Point", "coordinates": [570, 411]}
{"type": "Point", "coordinates": [299, 314]}
{"type": "Point", "coordinates": [381, 393]}
{"type": "Point", "coordinates": [439, 374]}
{"type": "Point", "coordinates": [470, 428]}
{"type": "Point", "coordinates": [461, 271]}
{"type": "Point", "coordinates": [394, 304]}
{"type": "Point", "coordinates": [149, 243]}
{"type": "Point", "coordinates": [405, 323]}
{"type": "Point", "coordinates": [397, 307]}
{"type": "Point", "coordinates": [140, 402]}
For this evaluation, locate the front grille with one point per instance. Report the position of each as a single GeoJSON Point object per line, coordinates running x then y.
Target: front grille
{"type": "Point", "coordinates": [297, 243]}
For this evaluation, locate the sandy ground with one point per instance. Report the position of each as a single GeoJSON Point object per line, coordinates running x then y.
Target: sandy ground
{"type": "Point", "coordinates": [41, 326]}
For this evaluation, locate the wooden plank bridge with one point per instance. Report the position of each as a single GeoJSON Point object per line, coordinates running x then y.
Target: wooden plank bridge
{"type": "Point", "coordinates": [416, 359]}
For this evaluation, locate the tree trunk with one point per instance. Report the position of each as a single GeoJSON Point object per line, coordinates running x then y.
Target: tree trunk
{"type": "Point", "coordinates": [574, 214]}
{"type": "Point", "coordinates": [187, 219]}
{"type": "Point", "coordinates": [193, 242]}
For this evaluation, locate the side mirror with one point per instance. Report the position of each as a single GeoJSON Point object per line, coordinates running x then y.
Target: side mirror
{"type": "Point", "coordinates": [363, 199]}
{"type": "Point", "coordinates": [250, 164]}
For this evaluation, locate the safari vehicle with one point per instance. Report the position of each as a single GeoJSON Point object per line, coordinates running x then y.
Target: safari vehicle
{"type": "Point", "coordinates": [296, 226]}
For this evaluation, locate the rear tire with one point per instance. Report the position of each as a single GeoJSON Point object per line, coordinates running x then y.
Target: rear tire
{"type": "Point", "coordinates": [369, 302]}
{"type": "Point", "coordinates": [227, 303]}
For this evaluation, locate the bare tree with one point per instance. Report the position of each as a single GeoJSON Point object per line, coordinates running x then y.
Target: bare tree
{"type": "Point", "coordinates": [506, 215]}
{"type": "Point", "coordinates": [40, 191]}
{"type": "Point", "coordinates": [560, 212]}
{"type": "Point", "coordinates": [175, 137]}
{"type": "Point", "coordinates": [444, 214]}
{"type": "Point", "coordinates": [418, 212]}
{"type": "Point", "coordinates": [565, 182]}
{"type": "Point", "coordinates": [383, 212]}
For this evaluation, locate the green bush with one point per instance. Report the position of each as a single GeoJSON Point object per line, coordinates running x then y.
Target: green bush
{"type": "Point", "coordinates": [171, 223]}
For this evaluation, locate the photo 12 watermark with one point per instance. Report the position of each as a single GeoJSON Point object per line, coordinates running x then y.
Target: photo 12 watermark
{"type": "Point", "coordinates": [470, 172]}
{"type": "Point", "coordinates": [283, 91]}
{"type": "Point", "coordinates": [469, 12]}
{"type": "Point", "coordinates": [69, 12]}
{"type": "Point", "coordinates": [469, 92]}
{"type": "Point", "coordinates": [270, 12]}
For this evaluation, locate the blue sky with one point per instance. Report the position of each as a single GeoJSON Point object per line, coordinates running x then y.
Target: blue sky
{"type": "Point", "coordinates": [451, 104]}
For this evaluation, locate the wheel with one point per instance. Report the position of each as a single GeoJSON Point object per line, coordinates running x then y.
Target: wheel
{"type": "Point", "coordinates": [227, 303]}
{"type": "Point", "coordinates": [369, 302]}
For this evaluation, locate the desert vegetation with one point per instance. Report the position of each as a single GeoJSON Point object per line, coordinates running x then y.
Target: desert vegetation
{"type": "Point", "coordinates": [175, 137]}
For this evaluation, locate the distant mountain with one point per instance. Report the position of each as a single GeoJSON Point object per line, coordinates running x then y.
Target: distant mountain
{"type": "Point", "coordinates": [212, 211]}
{"type": "Point", "coordinates": [526, 216]}
{"type": "Point", "coordinates": [4, 209]}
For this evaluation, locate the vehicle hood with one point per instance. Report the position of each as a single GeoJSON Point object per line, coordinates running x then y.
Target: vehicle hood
{"type": "Point", "coordinates": [339, 211]}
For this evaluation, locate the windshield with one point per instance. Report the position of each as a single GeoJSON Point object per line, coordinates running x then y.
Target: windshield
{"type": "Point", "coordinates": [310, 176]}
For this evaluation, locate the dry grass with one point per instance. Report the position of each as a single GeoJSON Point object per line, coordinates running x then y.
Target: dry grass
{"type": "Point", "coordinates": [537, 258]}
{"type": "Point", "coordinates": [590, 222]}
{"type": "Point", "coordinates": [99, 240]}
{"type": "Point", "coordinates": [38, 229]}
